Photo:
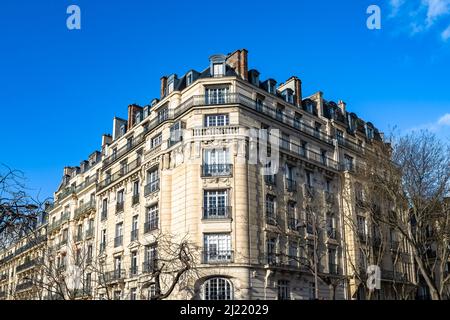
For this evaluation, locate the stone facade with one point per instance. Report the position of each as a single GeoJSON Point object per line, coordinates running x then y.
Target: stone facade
{"type": "Point", "coordinates": [182, 167]}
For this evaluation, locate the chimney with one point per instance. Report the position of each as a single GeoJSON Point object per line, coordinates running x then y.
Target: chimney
{"type": "Point", "coordinates": [342, 105]}
{"type": "Point", "coordinates": [239, 62]}
{"type": "Point", "coordinates": [163, 86]}
{"type": "Point", "coordinates": [132, 110]}
{"type": "Point", "coordinates": [298, 92]}
{"type": "Point", "coordinates": [244, 64]}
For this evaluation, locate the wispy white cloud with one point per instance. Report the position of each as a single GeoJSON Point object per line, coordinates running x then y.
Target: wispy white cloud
{"type": "Point", "coordinates": [444, 120]}
{"type": "Point", "coordinates": [441, 125]}
{"type": "Point", "coordinates": [445, 35]}
{"type": "Point", "coordinates": [418, 16]}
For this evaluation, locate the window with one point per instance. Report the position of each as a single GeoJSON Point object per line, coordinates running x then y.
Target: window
{"type": "Point", "coordinates": [151, 219]}
{"type": "Point", "coordinates": [103, 241]}
{"type": "Point", "coordinates": [134, 264]}
{"type": "Point", "coordinates": [317, 128]}
{"type": "Point", "coordinates": [340, 136]}
{"type": "Point", "coordinates": [285, 141]}
{"type": "Point", "coordinates": [216, 95]}
{"type": "Point", "coordinates": [304, 148]}
{"type": "Point", "coordinates": [310, 107]}
{"type": "Point", "coordinates": [118, 241]}
{"type": "Point", "coordinates": [217, 289]}
{"type": "Point", "coordinates": [176, 133]}
{"type": "Point", "coordinates": [217, 120]}
{"type": "Point", "coordinates": [79, 232]}
{"type": "Point", "coordinates": [361, 225]}
{"type": "Point", "coordinates": [218, 69]}
{"type": "Point", "coordinates": [328, 187]}
{"type": "Point", "coordinates": [271, 87]}
{"type": "Point", "coordinates": [152, 181]}
{"type": "Point", "coordinates": [123, 129]}
{"type": "Point", "coordinates": [323, 156]}
{"type": "Point", "coordinates": [271, 216]}
{"type": "Point", "coordinates": [104, 207]}
{"type": "Point", "coordinates": [189, 79]}
{"type": "Point", "coordinates": [332, 265]}
{"type": "Point", "coordinates": [135, 192]}
{"type": "Point", "coordinates": [308, 179]}
{"type": "Point", "coordinates": [133, 294]}
{"type": "Point", "coordinates": [293, 254]}
{"type": "Point", "coordinates": [284, 290]}
{"type": "Point", "coordinates": [156, 141]}
{"type": "Point", "coordinates": [330, 222]}
{"type": "Point", "coordinates": [215, 204]}
{"type": "Point", "coordinates": [134, 228]}
{"type": "Point", "coordinates": [89, 253]}
{"type": "Point", "coordinates": [117, 294]}
{"type": "Point", "coordinates": [150, 257]}
{"type": "Point", "coordinates": [120, 196]}
{"type": "Point", "coordinates": [163, 114]}
{"type": "Point", "coordinates": [348, 163]}
{"type": "Point", "coordinates": [117, 266]}
{"type": "Point", "coordinates": [152, 292]}
{"type": "Point", "coordinates": [216, 163]}
{"type": "Point", "coordinates": [271, 249]}
{"type": "Point", "coordinates": [297, 120]}
{"type": "Point", "coordinates": [217, 248]}
{"type": "Point", "coordinates": [259, 104]}
{"type": "Point", "coordinates": [280, 114]}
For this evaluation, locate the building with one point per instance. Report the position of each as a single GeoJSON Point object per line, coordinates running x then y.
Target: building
{"type": "Point", "coordinates": [185, 166]}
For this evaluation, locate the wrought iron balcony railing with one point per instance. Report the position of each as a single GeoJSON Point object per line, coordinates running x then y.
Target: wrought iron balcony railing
{"type": "Point", "coordinates": [218, 256]}
{"type": "Point", "coordinates": [216, 213]}
{"type": "Point", "coordinates": [152, 187]}
{"type": "Point", "coordinates": [151, 225]}
{"type": "Point", "coordinates": [217, 170]}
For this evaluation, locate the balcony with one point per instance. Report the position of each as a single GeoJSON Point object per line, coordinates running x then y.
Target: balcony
{"type": "Point", "coordinates": [118, 241]}
{"type": "Point", "coordinates": [217, 170]}
{"type": "Point", "coordinates": [151, 225]}
{"type": "Point", "coordinates": [331, 233]}
{"type": "Point", "coordinates": [85, 208]}
{"type": "Point", "coordinates": [312, 156]}
{"type": "Point", "coordinates": [150, 266]}
{"type": "Point", "coordinates": [152, 187]}
{"type": "Point", "coordinates": [272, 260]}
{"type": "Point", "coordinates": [116, 176]}
{"type": "Point", "coordinates": [291, 185]}
{"type": "Point", "coordinates": [124, 150]}
{"type": "Point", "coordinates": [24, 286]}
{"type": "Point", "coordinates": [393, 275]}
{"type": "Point", "coordinates": [134, 235]}
{"type": "Point", "coordinates": [216, 213]}
{"type": "Point", "coordinates": [27, 265]}
{"type": "Point", "coordinates": [135, 199]}
{"type": "Point", "coordinates": [65, 193]}
{"type": "Point", "coordinates": [120, 207]}
{"type": "Point", "coordinates": [112, 276]}
{"type": "Point", "coordinates": [271, 219]}
{"type": "Point", "coordinates": [217, 256]}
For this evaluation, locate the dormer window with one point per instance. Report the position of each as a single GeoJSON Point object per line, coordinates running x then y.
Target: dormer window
{"type": "Point", "coordinates": [254, 77]}
{"type": "Point", "coordinates": [189, 79]}
{"type": "Point", "coordinates": [123, 129]}
{"type": "Point", "coordinates": [369, 132]}
{"type": "Point", "coordinates": [171, 84]}
{"type": "Point", "coordinates": [218, 69]}
{"type": "Point", "coordinates": [310, 107]}
{"type": "Point", "coordinates": [288, 96]}
{"type": "Point", "coordinates": [138, 117]}
{"type": "Point", "coordinates": [271, 87]}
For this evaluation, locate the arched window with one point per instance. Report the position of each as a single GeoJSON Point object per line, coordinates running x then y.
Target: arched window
{"type": "Point", "coordinates": [218, 289]}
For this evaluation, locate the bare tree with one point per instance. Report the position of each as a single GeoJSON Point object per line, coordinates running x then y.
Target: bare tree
{"type": "Point", "coordinates": [18, 210]}
{"type": "Point", "coordinates": [414, 187]}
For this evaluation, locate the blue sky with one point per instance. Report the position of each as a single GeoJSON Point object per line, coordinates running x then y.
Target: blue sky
{"type": "Point", "coordinates": [60, 89]}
